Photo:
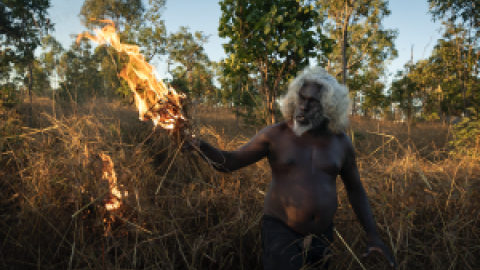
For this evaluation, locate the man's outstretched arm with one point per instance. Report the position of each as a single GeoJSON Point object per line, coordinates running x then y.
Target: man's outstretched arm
{"type": "Point", "coordinates": [359, 201]}
{"type": "Point", "coordinates": [229, 161]}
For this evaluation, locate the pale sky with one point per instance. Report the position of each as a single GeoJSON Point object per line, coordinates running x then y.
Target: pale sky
{"type": "Point", "coordinates": [410, 17]}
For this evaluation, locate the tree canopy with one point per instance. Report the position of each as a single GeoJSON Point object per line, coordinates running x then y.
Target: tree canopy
{"type": "Point", "coordinates": [269, 42]}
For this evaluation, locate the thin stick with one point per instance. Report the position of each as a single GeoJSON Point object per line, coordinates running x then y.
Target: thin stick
{"type": "Point", "coordinates": [144, 141]}
{"type": "Point", "coordinates": [168, 169]}
{"type": "Point", "coordinates": [131, 223]}
{"type": "Point", "coordinates": [349, 249]}
{"type": "Point", "coordinates": [30, 133]}
{"type": "Point", "coordinates": [83, 208]}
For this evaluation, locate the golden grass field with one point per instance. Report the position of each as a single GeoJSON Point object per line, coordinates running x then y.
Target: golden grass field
{"type": "Point", "coordinates": [425, 201]}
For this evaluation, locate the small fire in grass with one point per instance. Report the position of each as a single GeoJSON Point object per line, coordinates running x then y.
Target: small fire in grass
{"type": "Point", "coordinates": [154, 101]}
{"type": "Point", "coordinates": [108, 174]}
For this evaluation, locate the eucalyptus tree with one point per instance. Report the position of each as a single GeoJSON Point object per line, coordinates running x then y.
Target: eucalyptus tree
{"type": "Point", "coordinates": [79, 73]}
{"type": "Point", "coordinates": [467, 11]}
{"type": "Point", "coordinates": [269, 42]}
{"type": "Point", "coordinates": [462, 17]}
{"type": "Point", "coordinates": [23, 24]}
{"type": "Point", "coordinates": [242, 94]}
{"type": "Point", "coordinates": [150, 31]}
{"type": "Point", "coordinates": [121, 12]}
{"type": "Point", "coordinates": [404, 91]}
{"type": "Point", "coordinates": [363, 46]}
{"type": "Point", "coordinates": [187, 49]}
{"type": "Point", "coordinates": [457, 60]}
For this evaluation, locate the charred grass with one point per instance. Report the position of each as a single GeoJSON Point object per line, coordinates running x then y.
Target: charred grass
{"type": "Point", "coordinates": [181, 214]}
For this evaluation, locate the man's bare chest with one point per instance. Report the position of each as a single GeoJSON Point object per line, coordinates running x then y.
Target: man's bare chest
{"type": "Point", "coordinates": [312, 157]}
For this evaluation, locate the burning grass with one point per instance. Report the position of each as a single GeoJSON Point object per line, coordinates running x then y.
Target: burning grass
{"type": "Point", "coordinates": [53, 202]}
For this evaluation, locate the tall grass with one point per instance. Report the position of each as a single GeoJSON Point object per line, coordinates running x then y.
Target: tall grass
{"type": "Point", "coordinates": [425, 202]}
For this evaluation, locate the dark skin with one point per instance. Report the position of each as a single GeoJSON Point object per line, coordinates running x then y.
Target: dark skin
{"type": "Point", "coordinates": [303, 191]}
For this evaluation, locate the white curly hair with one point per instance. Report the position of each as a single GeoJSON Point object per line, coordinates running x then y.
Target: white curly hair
{"type": "Point", "coordinates": [334, 99]}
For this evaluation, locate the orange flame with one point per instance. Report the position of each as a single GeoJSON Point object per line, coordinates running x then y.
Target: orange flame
{"type": "Point", "coordinates": [108, 174]}
{"type": "Point", "coordinates": [153, 100]}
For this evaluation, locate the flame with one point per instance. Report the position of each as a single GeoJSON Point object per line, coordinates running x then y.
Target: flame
{"type": "Point", "coordinates": [152, 98]}
{"type": "Point", "coordinates": [108, 174]}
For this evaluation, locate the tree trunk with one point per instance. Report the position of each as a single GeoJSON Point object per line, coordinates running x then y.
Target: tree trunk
{"type": "Point", "coordinates": [270, 108]}
{"type": "Point", "coordinates": [30, 84]}
{"type": "Point", "coordinates": [410, 100]}
{"type": "Point", "coordinates": [238, 104]}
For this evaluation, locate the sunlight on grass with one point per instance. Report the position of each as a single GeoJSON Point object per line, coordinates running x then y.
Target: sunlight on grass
{"type": "Point", "coordinates": [425, 202]}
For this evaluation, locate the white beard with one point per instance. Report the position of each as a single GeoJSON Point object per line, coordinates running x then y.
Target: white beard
{"type": "Point", "coordinates": [299, 129]}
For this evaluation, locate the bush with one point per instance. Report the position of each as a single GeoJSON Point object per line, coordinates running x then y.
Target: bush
{"type": "Point", "coordinates": [467, 135]}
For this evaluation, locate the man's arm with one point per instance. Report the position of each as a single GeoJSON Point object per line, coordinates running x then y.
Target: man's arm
{"type": "Point", "coordinates": [355, 191]}
{"type": "Point", "coordinates": [359, 201]}
{"type": "Point", "coordinates": [229, 161]}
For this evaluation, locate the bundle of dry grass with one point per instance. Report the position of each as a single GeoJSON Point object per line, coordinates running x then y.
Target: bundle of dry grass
{"type": "Point", "coordinates": [181, 214]}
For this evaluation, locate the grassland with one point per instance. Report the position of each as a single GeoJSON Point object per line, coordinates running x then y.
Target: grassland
{"type": "Point", "coordinates": [181, 214]}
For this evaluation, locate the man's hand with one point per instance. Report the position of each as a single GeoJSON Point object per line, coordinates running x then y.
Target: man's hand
{"type": "Point", "coordinates": [375, 243]}
{"type": "Point", "coordinates": [190, 144]}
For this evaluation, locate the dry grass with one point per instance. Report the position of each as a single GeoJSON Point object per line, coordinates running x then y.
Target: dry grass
{"type": "Point", "coordinates": [426, 203]}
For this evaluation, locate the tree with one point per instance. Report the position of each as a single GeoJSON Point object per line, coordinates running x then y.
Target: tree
{"type": "Point", "coordinates": [136, 24]}
{"type": "Point", "coordinates": [186, 49]}
{"type": "Point", "coordinates": [363, 47]}
{"type": "Point", "coordinates": [79, 71]}
{"type": "Point", "coordinates": [467, 11]}
{"type": "Point", "coordinates": [121, 12]}
{"type": "Point", "coordinates": [23, 24]}
{"type": "Point", "coordinates": [404, 91]}
{"type": "Point", "coordinates": [151, 34]}
{"type": "Point", "coordinates": [467, 14]}
{"type": "Point", "coordinates": [269, 42]}
{"type": "Point", "coordinates": [456, 60]}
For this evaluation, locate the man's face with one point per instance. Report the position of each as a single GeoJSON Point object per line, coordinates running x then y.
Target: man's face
{"type": "Point", "coordinates": [309, 112]}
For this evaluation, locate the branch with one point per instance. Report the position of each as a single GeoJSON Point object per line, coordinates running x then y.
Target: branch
{"type": "Point", "coordinates": [361, 57]}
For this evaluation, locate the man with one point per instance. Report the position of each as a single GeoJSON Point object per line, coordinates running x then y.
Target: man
{"type": "Point", "coordinates": [305, 153]}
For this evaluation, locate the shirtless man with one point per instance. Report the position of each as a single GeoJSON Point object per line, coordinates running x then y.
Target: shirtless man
{"type": "Point", "coordinates": [305, 153]}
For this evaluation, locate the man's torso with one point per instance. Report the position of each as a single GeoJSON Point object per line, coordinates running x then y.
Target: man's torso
{"type": "Point", "coordinates": [303, 192]}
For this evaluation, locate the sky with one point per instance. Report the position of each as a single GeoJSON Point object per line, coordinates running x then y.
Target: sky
{"type": "Point", "coordinates": [409, 17]}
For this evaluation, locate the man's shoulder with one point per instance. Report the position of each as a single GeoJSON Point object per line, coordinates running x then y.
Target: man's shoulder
{"type": "Point", "coordinates": [345, 141]}
{"type": "Point", "coordinates": [277, 127]}
{"type": "Point", "coordinates": [274, 130]}
{"type": "Point", "coordinates": [343, 136]}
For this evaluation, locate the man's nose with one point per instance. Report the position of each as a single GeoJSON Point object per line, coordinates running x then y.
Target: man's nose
{"type": "Point", "coordinates": [304, 106]}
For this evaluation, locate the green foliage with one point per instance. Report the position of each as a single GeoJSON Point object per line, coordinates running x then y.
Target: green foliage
{"type": "Point", "coordinates": [151, 34]}
{"type": "Point", "coordinates": [404, 91]}
{"type": "Point", "coordinates": [137, 24]}
{"type": "Point", "coordinates": [8, 95]}
{"type": "Point", "coordinates": [193, 71]}
{"type": "Point", "coordinates": [22, 24]}
{"type": "Point", "coordinates": [369, 46]}
{"type": "Point", "coordinates": [269, 41]}
{"type": "Point", "coordinates": [78, 70]}
{"type": "Point", "coordinates": [121, 12]}
{"type": "Point", "coordinates": [466, 10]}
{"type": "Point", "coordinates": [447, 82]}
{"type": "Point", "coordinates": [467, 135]}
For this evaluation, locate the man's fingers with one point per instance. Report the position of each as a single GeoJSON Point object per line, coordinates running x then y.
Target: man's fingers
{"type": "Point", "coordinates": [385, 253]}
{"type": "Point", "coordinates": [367, 252]}
{"type": "Point", "coordinates": [389, 257]}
